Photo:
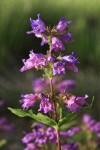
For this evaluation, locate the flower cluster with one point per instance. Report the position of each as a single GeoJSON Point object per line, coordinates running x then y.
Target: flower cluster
{"type": "Point", "coordinates": [42, 31]}
{"type": "Point", "coordinates": [52, 101]}
{"type": "Point", "coordinates": [41, 134]}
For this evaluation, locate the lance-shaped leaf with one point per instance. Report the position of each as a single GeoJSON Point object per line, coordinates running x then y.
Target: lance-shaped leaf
{"type": "Point", "coordinates": [68, 118]}
{"type": "Point", "coordinates": [38, 117]}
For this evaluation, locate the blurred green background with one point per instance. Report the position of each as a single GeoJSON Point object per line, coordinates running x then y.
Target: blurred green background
{"type": "Point", "coordinates": [15, 45]}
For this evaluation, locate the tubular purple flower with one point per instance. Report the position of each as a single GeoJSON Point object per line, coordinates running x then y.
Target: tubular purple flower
{"type": "Point", "coordinates": [39, 85]}
{"type": "Point", "coordinates": [65, 85]}
{"type": "Point", "coordinates": [58, 68]}
{"type": "Point", "coordinates": [81, 100]}
{"type": "Point", "coordinates": [70, 61]}
{"type": "Point", "coordinates": [51, 134]}
{"type": "Point", "coordinates": [71, 132]}
{"type": "Point", "coordinates": [40, 137]}
{"type": "Point", "coordinates": [29, 137]}
{"type": "Point", "coordinates": [67, 38]}
{"type": "Point", "coordinates": [28, 100]}
{"type": "Point", "coordinates": [72, 105]}
{"type": "Point", "coordinates": [34, 61]}
{"type": "Point", "coordinates": [38, 26]}
{"type": "Point", "coordinates": [63, 24]}
{"type": "Point", "coordinates": [45, 104]}
{"type": "Point", "coordinates": [57, 44]}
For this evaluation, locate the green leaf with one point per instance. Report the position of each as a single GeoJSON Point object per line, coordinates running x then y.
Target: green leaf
{"type": "Point", "coordinates": [2, 142]}
{"type": "Point", "coordinates": [68, 118]}
{"type": "Point", "coordinates": [38, 117]}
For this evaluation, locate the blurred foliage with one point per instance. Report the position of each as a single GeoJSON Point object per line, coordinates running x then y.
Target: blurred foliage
{"type": "Point", "coordinates": [14, 22]}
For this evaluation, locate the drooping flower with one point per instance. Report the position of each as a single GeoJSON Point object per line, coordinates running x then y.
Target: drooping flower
{"type": "Point", "coordinates": [65, 85]}
{"type": "Point", "coordinates": [57, 44]}
{"type": "Point", "coordinates": [63, 24]}
{"type": "Point", "coordinates": [28, 100]}
{"type": "Point", "coordinates": [58, 68]}
{"type": "Point", "coordinates": [38, 26]}
{"type": "Point", "coordinates": [34, 61]}
{"type": "Point", "coordinates": [45, 104]}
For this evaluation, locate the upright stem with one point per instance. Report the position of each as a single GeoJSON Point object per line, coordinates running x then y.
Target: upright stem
{"type": "Point", "coordinates": [55, 114]}
{"type": "Point", "coordinates": [53, 101]}
{"type": "Point", "coordinates": [58, 138]}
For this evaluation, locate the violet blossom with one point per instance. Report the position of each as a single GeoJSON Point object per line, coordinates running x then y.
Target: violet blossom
{"type": "Point", "coordinates": [51, 134]}
{"type": "Point", "coordinates": [70, 61]}
{"type": "Point", "coordinates": [34, 61]}
{"type": "Point", "coordinates": [62, 25]}
{"type": "Point", "coordinates": [65, 85]}
{"type": "Point", "coordinates": [45, 104]}
{"type": "Point", "coordinates": [38, 26]}
{"type": "Point", "coordinates": [57, 44]}
{"type": "Point", "coordinates": [58, 68]}
{"type": "Point", "coordinates": [28, 100]}
{"type": "Point", "coordinates": [74, 103]}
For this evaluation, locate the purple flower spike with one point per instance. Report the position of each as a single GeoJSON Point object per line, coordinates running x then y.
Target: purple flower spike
{"type": "Point", "coordinates": [45, 104]}
{"type": "Point", "coordinates": [67, 38]}
{"type": "Point", "coordinates": [38, 26]}
{"type": "Point", "coordinates": [58, 68]}
{"type": "Point", "coordinates": [28, 100]}
{"type": "Point", "coordinates": [57, 44]}
{"type": "Point", "coordinates": [62, 25]}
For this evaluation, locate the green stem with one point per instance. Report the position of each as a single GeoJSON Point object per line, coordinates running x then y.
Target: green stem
{"type": "Point", "coordinates": [58, 139]}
